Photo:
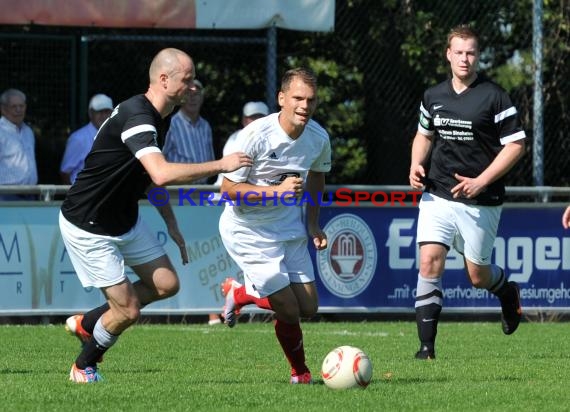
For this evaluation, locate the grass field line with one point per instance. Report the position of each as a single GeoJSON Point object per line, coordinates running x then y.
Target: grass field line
{"type": "Point", "coordinates": [222, 329]}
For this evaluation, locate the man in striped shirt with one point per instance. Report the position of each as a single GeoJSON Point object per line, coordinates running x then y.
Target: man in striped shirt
{"type": "Point", "coordinates": [189, 138]}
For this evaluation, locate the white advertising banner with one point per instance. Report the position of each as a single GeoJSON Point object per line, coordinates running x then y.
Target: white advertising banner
{"type": "Point", "coordinates": [307, 15]}
{"type": "Point", "coordinates": [36, 276]}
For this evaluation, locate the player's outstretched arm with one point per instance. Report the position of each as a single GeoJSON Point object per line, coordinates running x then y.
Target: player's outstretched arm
{"type": "Point", "coordinates": [289, 188]}
{"type": "Point", "coordinates": [163, 173]}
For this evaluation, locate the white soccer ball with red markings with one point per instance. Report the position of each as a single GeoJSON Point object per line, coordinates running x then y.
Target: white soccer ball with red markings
{"type": "Point", "coordinates": [346, 367]}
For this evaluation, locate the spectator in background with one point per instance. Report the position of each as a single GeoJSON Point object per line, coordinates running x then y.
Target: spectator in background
{"type": "Point", "coordinates": [251, 111]}
{"type": "Point", "coordinates": [80, 142]}
{"type": "Point", "coordinates": [17, 144]}
{"type": "Point", "coordinates": [189, 138]}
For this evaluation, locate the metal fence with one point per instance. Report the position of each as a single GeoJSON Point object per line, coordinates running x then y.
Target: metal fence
{"type": "Point", "coordinates": [379, 60]}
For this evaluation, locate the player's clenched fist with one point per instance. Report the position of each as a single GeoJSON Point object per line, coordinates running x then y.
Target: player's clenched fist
{"type": "Point", "coordinates": [417, 174]}
{"type": "Point", "coordinates": [291, 187]}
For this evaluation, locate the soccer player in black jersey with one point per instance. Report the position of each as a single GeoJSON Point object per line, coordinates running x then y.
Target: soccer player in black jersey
{"type": "Point", "coordinates": [99, 218]}
{"type": "Point", "coordinates": [469, 136]}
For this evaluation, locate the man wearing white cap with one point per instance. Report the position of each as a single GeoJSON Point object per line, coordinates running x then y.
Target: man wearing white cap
{"type": "Point", "coordinates": [251, 111]}
{"type": "Point", "coordinates": [80, 142]}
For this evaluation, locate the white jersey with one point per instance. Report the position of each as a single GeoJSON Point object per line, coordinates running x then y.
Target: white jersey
{"type": "Point", "coordinates": [230, 146]}
{"type": "Point", "coordinates": [275, 157]}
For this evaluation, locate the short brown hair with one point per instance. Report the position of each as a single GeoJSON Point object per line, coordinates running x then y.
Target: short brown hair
{"type": "Point", "coordinates": [307, 75]}
{"type": "Point", "coordinates": [463, 31]}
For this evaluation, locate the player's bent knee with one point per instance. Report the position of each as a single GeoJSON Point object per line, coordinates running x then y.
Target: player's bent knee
{"type": "Point", "coordinates": [173, 288]}
{"type": "Point", "coordinates": [168, 286]}
{"type": "Point", "coordinates": [431, 267]}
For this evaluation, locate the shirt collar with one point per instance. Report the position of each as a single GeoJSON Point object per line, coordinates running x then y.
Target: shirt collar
{"type": "Point", "coordinates": [7, 124]}
{"type": "Point", "coordinates": [185, 117]}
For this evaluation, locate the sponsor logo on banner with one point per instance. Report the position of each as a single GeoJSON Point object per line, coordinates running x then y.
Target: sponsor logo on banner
{"type": "Point", "coordinates": [348, 265]}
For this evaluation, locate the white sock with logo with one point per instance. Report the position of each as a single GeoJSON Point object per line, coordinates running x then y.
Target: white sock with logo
{"type": "Point", "coordinates": [428, 291]}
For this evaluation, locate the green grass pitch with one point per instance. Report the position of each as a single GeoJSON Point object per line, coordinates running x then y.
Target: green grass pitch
{"type": "Point", "coordinates": [214, 368]}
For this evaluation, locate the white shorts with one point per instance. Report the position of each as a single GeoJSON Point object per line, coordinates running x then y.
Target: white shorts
{"type": "Point", "coordinates": [470, 229]}
{"type": "Point", "coordinates": [268, 267]}
{"type": "Point", "coordinates": [100, 261]}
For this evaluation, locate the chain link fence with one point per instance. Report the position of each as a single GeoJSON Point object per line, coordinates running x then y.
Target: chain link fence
{"type": "Point", "coordinates": [217, 58]}
{"type": "Point", "coordinates": [372, 72]}
{"type": "Point", "coordinates": [43, 67]}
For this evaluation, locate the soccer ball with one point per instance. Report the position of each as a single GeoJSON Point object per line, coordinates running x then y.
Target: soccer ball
{"type": "Point", "coordinates": [346, 367]}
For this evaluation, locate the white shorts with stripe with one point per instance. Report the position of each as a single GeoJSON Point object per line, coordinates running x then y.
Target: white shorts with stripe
{"type": "Point", "coordinates": [267, 266]}
{"type": "Point", "coordinates": [470, 229]}
{"type": "Point", "coordinates": [99, 260]}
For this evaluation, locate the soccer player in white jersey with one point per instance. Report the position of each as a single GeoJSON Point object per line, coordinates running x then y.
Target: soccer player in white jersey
{"type": "Point", "coordinates": [265, 234]}
{"type": "Point", "coordinates": [469, 136]}
{"type": "Point", "coordinates": [99, 220]}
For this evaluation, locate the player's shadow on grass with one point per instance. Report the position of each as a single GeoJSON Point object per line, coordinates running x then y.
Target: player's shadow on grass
{"type": "Point", "coordinates": [16, 371]}
{"type": "Point", "coordinates": [427, 379]}
{"type": "Point", "coordinates": [419, 379]}
{"type": "Point", "coordinates": [141, 370]}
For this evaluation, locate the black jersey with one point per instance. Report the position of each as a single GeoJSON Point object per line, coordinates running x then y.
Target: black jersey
{"type": "Point", "coordinates": [104, 198]}
{"type": "Point", "coordinates": [468, 130]}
